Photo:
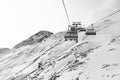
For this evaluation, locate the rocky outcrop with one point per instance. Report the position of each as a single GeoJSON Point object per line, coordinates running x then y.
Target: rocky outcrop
{"type": "Point", "coordinates": [4, 50]}
{"type": "Point", "coordinates": [36, 38]}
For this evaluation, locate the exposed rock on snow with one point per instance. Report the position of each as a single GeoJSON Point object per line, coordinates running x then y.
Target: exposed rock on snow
{"type": "Point", "coordinates": [4, 50]}
{"type": "Point", "coordinates": [38, 37]}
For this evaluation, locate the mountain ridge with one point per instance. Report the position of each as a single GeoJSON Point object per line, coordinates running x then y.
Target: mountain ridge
{"type": "Point", "coordinates": [36, 38]}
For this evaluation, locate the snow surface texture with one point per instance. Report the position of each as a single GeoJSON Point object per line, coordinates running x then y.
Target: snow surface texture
{"type": "Point", "coordinates": [94, 57]}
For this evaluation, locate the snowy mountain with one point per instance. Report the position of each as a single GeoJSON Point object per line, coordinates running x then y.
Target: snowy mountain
{"type": "Point", "coordinates": [94, 57]}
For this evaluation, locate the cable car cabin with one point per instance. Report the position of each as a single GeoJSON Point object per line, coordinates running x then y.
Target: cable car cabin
{"type": "Point", "coordinates": [90, 32]}
{"type": "Point", "coordinates": [71, 34]}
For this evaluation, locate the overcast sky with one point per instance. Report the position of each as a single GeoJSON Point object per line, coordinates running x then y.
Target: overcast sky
{"type": "Point", "coordinates": [20, 19]}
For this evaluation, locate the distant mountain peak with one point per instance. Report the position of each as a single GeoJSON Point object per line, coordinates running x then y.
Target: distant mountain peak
{"type": "Point", "coordinates": [38, 37]}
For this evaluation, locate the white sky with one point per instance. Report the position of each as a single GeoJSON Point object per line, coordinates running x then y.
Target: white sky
{"type": "Point", "coordinates": [19, 19]}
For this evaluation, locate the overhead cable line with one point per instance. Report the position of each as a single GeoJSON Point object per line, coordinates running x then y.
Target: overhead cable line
{"type": "Point", "coordinates": [107, 16]}
{"type": "Point", "coordinates": [66, 12]}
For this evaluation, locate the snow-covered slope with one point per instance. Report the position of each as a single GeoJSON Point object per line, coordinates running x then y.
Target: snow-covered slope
{"type": "Point", "coordinates": [95, 57]}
